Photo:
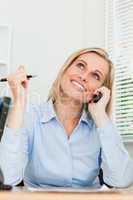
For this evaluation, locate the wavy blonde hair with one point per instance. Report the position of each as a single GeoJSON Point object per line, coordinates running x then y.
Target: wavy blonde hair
{"type": "Point", "coordinates": [54, 92]}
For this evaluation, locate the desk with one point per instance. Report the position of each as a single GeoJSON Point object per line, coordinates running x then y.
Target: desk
{"type": "Point", "coordinates": [125, 194]}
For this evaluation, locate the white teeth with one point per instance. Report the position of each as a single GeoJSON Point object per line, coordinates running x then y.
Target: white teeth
{"type": "Point", "coordinates": [78, 85]}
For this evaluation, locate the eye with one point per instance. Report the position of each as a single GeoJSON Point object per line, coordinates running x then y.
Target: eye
{"type": "Point", "coordinates": [80, 65]}
{"type": "Point", "coordinates": [96, 76]}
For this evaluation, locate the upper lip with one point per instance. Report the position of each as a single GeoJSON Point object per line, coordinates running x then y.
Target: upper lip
{"type": "Point", "coordinates": [79, 82]}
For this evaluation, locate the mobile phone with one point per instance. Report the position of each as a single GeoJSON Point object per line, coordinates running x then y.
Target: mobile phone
{"type": "Point", "coordinates": [96, 97]}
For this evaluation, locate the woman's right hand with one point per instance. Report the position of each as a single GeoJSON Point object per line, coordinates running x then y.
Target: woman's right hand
{"type": "Point", "coordinates": [18, 84]}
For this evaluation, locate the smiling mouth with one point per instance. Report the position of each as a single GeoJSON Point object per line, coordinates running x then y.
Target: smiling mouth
{"type": "Point", "coordinates": [78, 86]}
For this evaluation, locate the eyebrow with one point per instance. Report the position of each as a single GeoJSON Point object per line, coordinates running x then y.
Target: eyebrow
{"type": "Point", "coordinates": [99, 72]}
{"type": "Point", "coordinates": [86, 65]}
{"type": "Point", "coordinates": [82, 61]}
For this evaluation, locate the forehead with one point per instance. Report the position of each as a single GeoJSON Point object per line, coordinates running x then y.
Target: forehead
{"type": "Point", "coordinates": [95, 61]}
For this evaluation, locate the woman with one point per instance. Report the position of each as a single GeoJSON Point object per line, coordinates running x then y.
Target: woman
{"type": "Point", "coordinates": [66, 140]}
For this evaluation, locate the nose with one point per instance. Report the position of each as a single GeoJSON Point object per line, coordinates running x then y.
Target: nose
{"type": "Point", "coordinates": [84, 77]}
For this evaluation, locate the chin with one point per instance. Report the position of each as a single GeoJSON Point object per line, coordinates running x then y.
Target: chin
{"type": "Point", "coordinates": [73, 95]}
{"type": "Point", "coordinates": [78, 98]}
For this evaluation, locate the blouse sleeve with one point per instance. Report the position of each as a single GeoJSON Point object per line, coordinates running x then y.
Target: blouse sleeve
{"type": "Point", "coordinates": [116, 163]}
{"type": "Point", "coordinates": [15, 148]}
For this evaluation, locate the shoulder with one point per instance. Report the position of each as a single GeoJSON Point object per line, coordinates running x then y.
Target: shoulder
{"type": "Point", "coordinates": [35, 112]}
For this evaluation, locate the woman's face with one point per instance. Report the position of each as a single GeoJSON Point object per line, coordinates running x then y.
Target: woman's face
{"type": "Point", "coordinates": [87, 73]}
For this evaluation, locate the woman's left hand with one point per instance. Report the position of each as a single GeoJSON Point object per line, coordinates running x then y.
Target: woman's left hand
{"type": "Point", "coordinates": [100, 107]}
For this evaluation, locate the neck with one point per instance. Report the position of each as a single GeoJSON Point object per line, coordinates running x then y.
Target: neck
{"type": "Point", "coordinates": [68, 111]}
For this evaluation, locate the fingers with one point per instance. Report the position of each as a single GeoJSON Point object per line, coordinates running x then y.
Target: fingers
{"type": "Point", "coordinates": [18, 83]}
{"type": "Point", "coordinates": [104, 90]}
{"type": "Point", "coordinates": [21, 73]}
{"type": "Point", "coordinates": [18, 78]}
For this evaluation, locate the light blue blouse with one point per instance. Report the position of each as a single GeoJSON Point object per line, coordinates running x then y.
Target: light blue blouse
{"type": "Point", "coordinates": [41, 154]}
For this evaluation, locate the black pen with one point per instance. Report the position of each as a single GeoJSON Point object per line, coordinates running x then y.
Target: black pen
{"type": "Point", "coordinates": [28, 77]}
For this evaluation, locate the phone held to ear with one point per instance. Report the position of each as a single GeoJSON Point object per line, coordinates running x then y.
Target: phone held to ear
{"type": "Point", "coordinates": [96, 97]}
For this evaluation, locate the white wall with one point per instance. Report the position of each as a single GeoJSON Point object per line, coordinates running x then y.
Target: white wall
{"type": "Point", "coordinates": [46, 32]}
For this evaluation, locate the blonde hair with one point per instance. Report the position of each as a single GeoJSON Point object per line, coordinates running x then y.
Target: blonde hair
{"type": "Point", "coordinates": [55, 89]}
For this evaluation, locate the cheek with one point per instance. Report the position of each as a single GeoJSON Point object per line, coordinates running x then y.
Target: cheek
{"type": "Point", "coordinates": [68, 76]}
{"type": "Point", "coordinates": [65, 82]}
{"type": "Point", "coordinates": [73, 70]}
{"type": "Point", "coordinates": [93, 86]}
